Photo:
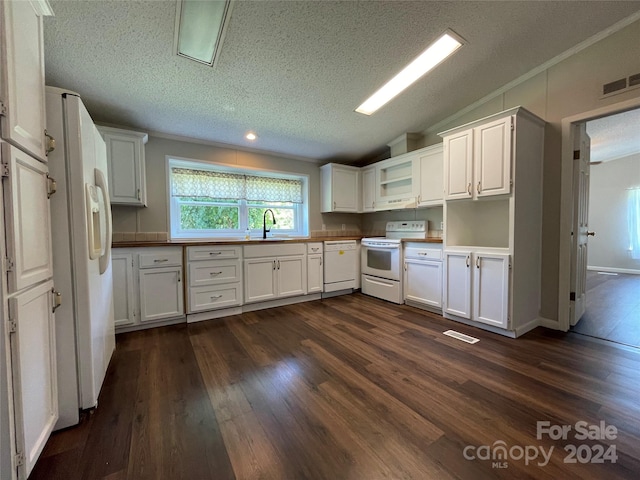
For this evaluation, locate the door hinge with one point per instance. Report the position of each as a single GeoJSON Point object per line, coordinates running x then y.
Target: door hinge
{"type": "Point", "coordinates": [572, 296]}
{"type": "Point", "coordinates": [18, 458]}
{"type": "Point", "coordinates": [3, 108]}
{"type": "Point", "coordinates": [5, 170]}
{"type": "Point", "coordinates": [12, 325]}
{"type": "Point", "coordinates": [576, 154]}
{"type": "Point", "coordinates": [8, 264]}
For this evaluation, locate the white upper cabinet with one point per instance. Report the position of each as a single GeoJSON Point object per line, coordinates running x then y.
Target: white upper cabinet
{"type": "Point", "coordinates": [368, 175]}
{"type": "Point", "coordinates": [340, 188]}
{"type": "Point", "coordinates": [126, 163]}
{"type": "Point", "coordinates": [430, 161]}
{"type": "Point", "coordinates": [477, 161]}
{"type": "Point", "coordinates": [22, 76]}
{"type": "Point", "coordinates": [27, 188]}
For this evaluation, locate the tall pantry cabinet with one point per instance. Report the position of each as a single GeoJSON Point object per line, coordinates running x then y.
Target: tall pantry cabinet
{"type": "Point", "coordinates": [28, 377]}
{"type": "Point", "coordinates": [493, 221]}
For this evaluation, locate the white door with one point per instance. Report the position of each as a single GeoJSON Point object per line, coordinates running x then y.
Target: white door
{"type": "Point", "coordinates": [457, 284]}
{"type": "Point", "coordinates": [161, 294]}
{"type": "Point", "coordinates": [28, 224]}
{"type": "Point", "coordinates": [368, 189]}
{"type": "Point", "coordinates": [259, 279]}
{"type": "Point", "coordinates": [580, 233]}
{"type": "Point", "coordinates": [33, 365]}
{"type": "Point", "coordinates": [431, 173]}
{"type": "Point", "coordinates": [123, 289]}
{"type": "Point", "coordinates": [23, 77]}
{"type": "Point", "coordinates": [492, 158]}
{"type": "Point", "coordinates": [491, 289]}
{"type": "Point", "coordinates": [292, 276]}
{"type": "Point", "coordinates": [344, 187]}
{"type": "Point", "coordinates": [423, 282]}
{"type": "Point", "coordinates": [458, 165]}
{"type": "Point", "coordinates": [315, 281]}
{"type": "Point", "coordinates": [125, 154]}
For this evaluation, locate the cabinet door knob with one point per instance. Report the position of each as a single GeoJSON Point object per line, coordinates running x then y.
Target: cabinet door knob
{"type": "Point", "coordinates": [591, 234]}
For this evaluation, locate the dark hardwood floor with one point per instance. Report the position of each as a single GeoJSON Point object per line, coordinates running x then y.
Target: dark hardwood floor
{"type": "Point", "coordinates": [612, 308]}
{"type": "Point", "coordinates": [350, 387]}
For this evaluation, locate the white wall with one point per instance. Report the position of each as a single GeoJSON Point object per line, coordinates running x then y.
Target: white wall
{"type": "Point", "coordinates": [608, 195]}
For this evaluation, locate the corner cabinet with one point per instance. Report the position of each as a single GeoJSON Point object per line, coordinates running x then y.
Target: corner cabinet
{"type": "Point", "coordinates": [493, 220]}
{"type": "Point", "coordinates": [126, 165]}
{"type": "Point", "coordinates": [339, 188]}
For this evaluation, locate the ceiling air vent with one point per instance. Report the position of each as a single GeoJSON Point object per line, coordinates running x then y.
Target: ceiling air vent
{"type": "Point", "coordinates": [612, 87]}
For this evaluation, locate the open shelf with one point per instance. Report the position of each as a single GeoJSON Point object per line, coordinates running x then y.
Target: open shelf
{"type": "Point", "coordinates": [478, 223]}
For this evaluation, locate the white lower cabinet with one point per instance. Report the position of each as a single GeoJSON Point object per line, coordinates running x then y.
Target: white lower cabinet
{"type": "Point", "coordinates": [124, 290]}
{"type": "Point", "coordinates": [274, 271]}
{"type": "Point", "coordinates": [477, 286]}
{"type": "Point", "coordinates": [147, 286]}
{"type": "Point", "coordinates": [423, 282]}
{"type": "Point", "coordinates": [315, 273]}
{"type": "Point", "coordinates": [161, 294]}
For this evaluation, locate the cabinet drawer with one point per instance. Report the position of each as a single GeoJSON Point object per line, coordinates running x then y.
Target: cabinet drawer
{"type": "Point", "coordinates": [423, 253]}
{"type": "Point", "coordinates": [213, 253]}
{"type": "Point", "coordinates": [165, 258]}
{"type": "Point", "coordinates": [314, 248]}
{"type": "Point", "coordinates": [214, 272]}
{"type": "Point", "coordinates": [213, 297]}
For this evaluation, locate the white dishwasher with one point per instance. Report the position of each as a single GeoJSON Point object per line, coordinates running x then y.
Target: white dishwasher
{"type": "Point", "coordinates": [340, 257]}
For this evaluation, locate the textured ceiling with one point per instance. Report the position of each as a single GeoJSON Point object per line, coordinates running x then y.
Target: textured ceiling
{"type": "Point", "coordinates": [615, 137]}
{"type": "Point", "coordinates": [294, 72]}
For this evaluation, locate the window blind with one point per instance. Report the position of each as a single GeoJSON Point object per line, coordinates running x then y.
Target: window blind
{"type": "Point", "coordinates": [187, 182]}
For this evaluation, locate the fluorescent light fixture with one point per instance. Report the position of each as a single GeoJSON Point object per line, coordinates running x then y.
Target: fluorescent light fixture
{"type": "Point", "coordinates": [200, 28]}
{"type": "Point", "coordinates": [444, 46]}
{"type": "Point", "coordinates": [251, 136]}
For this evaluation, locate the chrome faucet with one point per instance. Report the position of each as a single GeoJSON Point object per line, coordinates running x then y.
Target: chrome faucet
{"type": "Point", "coordinates": [264, 222]}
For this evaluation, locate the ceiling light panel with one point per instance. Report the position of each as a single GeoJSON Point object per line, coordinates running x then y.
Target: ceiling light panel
{"type": "Point", "coordinates": [200, 28]}
{"type": "Point", "coordinates": [438, 51]}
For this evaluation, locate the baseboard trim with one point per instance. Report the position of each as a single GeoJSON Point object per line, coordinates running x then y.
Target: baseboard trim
{"type": "Point", "coordinates": [630, 271]}
{"type": "Point", "coordinates": [252, 307]}
{"type": "Point", "coordinates": [527, 327]}
{"type": "Point", "coordinates": [337, 293]}
{"type": "Point", "coordinates": [481, 326]}
{"type": "Point", "coordinates": [549, 323]}
{"type": "Point", "coordinates": [145, 326]}
{"type": "Point", "coordinates": [213, 314]}
{"type": "Point", "coordinates": [422, 306]}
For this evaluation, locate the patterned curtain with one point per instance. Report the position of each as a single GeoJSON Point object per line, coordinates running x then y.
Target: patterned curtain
{"type": "Point", "coordinates": [186, 182]}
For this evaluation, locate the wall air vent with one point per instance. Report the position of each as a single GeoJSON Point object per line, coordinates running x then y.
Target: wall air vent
{"type": "Point", "coordinates": [612, 87]}
{"type": "Point", "coordinates": [621, 86]}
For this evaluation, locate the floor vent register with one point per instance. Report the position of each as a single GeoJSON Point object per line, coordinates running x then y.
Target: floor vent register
{"type": "Point", "coordinates": [461, 336]}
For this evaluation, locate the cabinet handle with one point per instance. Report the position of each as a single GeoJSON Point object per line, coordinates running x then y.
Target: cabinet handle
{"type": "Point", "coordinates": [467, 261]}
{"type": "Point", "coordinates": [479, 188]}
{"type": "Point", "coordinates": [278, 264]}
{"type": "Point", "coordinates": [138, 194]}
{"type": "Point", "coordinates": [52, 186]}
{"type": "Point", "coordinates": [215, 297]}
{"type": "Point", "coordinates": [215, 273]}
{"type": "Point", "coordinates": [320, 261]}
{"type": "Point", "coordinates": [57, 299]}
{"type": "Point", "coordinates": [179, 277]}
{"type": "Point", "coordinates": [405, 266]}
{"type": "Point", "coordinates": [373, 204]}
{"type": "Point", "coordinates": [160, 260]}
{"type": "Point", "coordinates": [477, 262]}
{"type": "Point", "coordinates": [50, 144]}
{"type": "Point", "coordinates": [469, 188]}
{"type": "Point", "coordinates": [215, 253]}
{"type": "Point", "coordinates": [274, 264]}
{"type": "Point", "coordinates": [334, 205]}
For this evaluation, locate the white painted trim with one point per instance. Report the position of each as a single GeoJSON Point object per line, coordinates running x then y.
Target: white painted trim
{"type": "Point", "coordinates": [532, 73]}
{"type": "Point", "coordinates": [280, 302]}
{"type": "Point", "coordinates": [631, 271]}
{"type": "Point", "coordinates": [145, 326]}
{"type": "Point", "coordinates": [481, 326]}
{"type": "Point", "coordinates": [549, 323]}
{"type": "Point", "coordinates": [213, 314]}
{"type": "Point", "coordinates": [337, 293]}
{"type": "Point", "coordinates": [422, 306]}
{"type": "Point", "coordinates": [566, 200]}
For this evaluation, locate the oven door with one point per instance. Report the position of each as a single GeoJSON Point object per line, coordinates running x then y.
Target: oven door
{"type": "Point", "coordinates": [381, 260]}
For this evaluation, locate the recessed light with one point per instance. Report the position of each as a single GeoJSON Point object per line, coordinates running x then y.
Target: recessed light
{"type": "Point", "coordinates": [444, 46]}
{"type": "Point", "coordinates": [251, 136]}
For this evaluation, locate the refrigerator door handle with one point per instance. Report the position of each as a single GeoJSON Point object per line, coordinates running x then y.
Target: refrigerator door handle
{"type": "Point", "coordinates": [101, 182]}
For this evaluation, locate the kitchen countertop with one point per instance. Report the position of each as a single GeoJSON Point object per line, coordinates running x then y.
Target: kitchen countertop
{"type": "Point", "coordinates": [255, 241]}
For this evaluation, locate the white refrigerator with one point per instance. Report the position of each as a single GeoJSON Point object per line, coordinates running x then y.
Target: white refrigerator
{"type": "Point", "coordinates": [81, 238]}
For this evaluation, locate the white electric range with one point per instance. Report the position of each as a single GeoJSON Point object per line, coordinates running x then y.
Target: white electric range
{"type": "Point", "coordinates": [381, 259]}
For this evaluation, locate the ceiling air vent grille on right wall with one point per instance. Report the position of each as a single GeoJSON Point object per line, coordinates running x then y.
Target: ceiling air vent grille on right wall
{"type": "Point", "coordinates": [620, 86]}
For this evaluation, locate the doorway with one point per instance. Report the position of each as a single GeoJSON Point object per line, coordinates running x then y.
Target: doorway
{"type": "Point", "coordinates": [607, 300]}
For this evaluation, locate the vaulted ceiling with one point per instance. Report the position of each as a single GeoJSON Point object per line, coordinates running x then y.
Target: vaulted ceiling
{"type": "Point", "coordinates": [294, 71]}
